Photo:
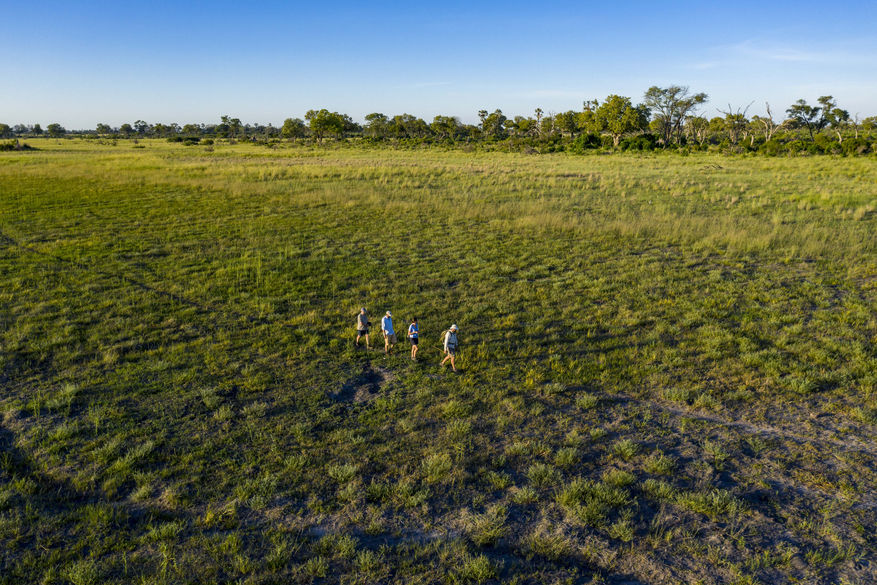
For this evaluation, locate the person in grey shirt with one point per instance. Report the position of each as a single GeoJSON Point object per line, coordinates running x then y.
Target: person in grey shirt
{"type": "Point", "coordinates": [389, 334]}
{"type": "Point", "coordinates": [362, 327]}
{"type": "Point", "coordinates": [451, 346]}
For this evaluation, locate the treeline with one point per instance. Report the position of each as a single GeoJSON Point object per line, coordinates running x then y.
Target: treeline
{"type": "Point", "coordinates": [667, 118]}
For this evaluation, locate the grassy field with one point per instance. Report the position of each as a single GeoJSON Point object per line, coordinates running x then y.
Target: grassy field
{"type": "Point", "coordinates": [668, 367]}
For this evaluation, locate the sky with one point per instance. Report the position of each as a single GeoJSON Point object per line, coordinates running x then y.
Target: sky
{"type": "Point", "coordinates": [88, 62]}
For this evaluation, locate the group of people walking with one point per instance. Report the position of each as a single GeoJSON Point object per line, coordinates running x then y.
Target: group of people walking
{"type": "Point", "coordinates": [363, 325]}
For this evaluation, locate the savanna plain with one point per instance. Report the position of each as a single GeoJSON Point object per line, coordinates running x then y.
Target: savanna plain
{"type": "Point", "coordinates": [668, 366]}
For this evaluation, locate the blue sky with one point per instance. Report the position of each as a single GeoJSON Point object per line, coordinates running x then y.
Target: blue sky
{"type": "Point", "coordinates": [80, 63]}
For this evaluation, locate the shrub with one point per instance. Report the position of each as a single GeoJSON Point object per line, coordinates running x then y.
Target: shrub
{"type": "Point", "coordinates": [542, 475]}
{"type": "Point", "coordinates": [589, 141]}
{"type": "Point", "coordinates": [486, 529]}
{"type": "Point", "coordinates": [342, 473]}
{"type": "Point", "coordinates": [436, 467]}
{"type": "Point", "coordinates": [587, 401]}
{"type": "Point", "coordinates": [625, 449]}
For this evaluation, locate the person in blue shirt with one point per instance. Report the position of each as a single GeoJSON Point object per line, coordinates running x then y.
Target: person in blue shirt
{"type": "Point", "coordinates": [413, 334]}
{"type": "Point", "coordinates": [389, 334]}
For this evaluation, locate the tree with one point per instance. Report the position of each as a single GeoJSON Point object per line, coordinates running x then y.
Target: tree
{"type": "Point", "coordinates": [735, 122]}
{"type": "Point", "coordinates": [141, 127]}
{"type": "Point", "coordinates": [494, 124]}
{"type": "Point", "coordinates": [20, 129]}
{"type": "Point", "coordinates": [103, 129]}
{"type": "Point", "coordinates": [767, 125]}
{"type": "Point", "coordinates": [586, 120]}
{"type": "Point", "coordinates": [838, 120]}
{"type": "Point", "coordinates": [5, 130]}
{"type": "Point", "coordinates": [233, 124]}
{"type": "Point", "coordinates": [191, 130]}
{"type": "Point", "coordinates": [293, 128]}
{"type": "Point", "coordinates": [323, 121]}
{"type": "Point", "coordinates": [618, 116]}
{"type": "Point", "coordinates": [539, 114]}
{"type": "Point", "coordinates": [482, 115]}
{"type": "Point", "coordinates": [126, 129]}
{"type": "Point", "coordinates": [567, 121]}
{"type": "Point", "coordinates": [521, 125]}
{"type": "Point", "coordinates": [56, 130]}
{"type": "Point", "coordinates": [377, 125]}
{"type": "Point", "coordinates": [805, 116]}
{"type": "Point", "coordinates": [869, 124]}
{"type": "Point", "coordinates": [697, 128]}
{"type": "Point", "coordinates": [670, 106]}
{"type": "Point", "coordinates": [37, 130]}
{"type": "Point", "coordinates": [444, 126]}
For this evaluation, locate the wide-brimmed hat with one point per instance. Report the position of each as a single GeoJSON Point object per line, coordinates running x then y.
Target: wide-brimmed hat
{"type": "Point", "coordinates": [454, 327]}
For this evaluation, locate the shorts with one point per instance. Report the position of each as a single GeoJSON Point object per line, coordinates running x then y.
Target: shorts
{"type": "Point", "coordinates": [413, 340]}
{"type": "Point", "coordinates": [391, 338]}
{"type": "Point", "coordinates": [362, 332]}
{"type": "Point", "coordinates": [452, 351]}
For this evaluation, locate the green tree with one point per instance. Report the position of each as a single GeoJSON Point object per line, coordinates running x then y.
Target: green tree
{"type": "Point", "coordinates": [670, 106]}
{"type": "Point", "coordinates": [407, 125]}
{"type": "Point", "coordinates": [191, 130]}
{"type": "Point", "coordinates": [805, 116]}
{"type": "Point", "coordinates": [322, 122]}
{"type": "Point", "coordinates": [141, 127]}
{"type": "Point", "coordinates": [567, 121]}
{"type": "Point", "coordinates": [444, 126]}
{"type": "Point", "coordinates": [494, 124]}
{"type": "Point", "coordinates": [37, 130]}
{"type": "Point", "coordinates": [482, 115]}
{"type": "Point", "coordinates": [293, 128]}
{"type": "Point", "coordinates": [697, 128]}
{"type": "Point", "coordinates": [586, 120]}
{"type": "Point", "coordinates": [56, 130]}
{"type": "Point", "coordinates": [234, 125]}
{"type": "Point", "coordinates": [837, 119]}
{"type": "Point", "coordinates": [103, 129]}
{"type": "Point", "coordinates": [126, 129]}
{"type": "Point", "coordinates": [377, 125]}
{"type": "Point", "coordinates": [869, 124]}
{"type": "Point", "coordinates": [5, 130]}
{"type": "Point", "coordinates": [766, 123]}
{"type": "Point", "coordinates": [618, 116]}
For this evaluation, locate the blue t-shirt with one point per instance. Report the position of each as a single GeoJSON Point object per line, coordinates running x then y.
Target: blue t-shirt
{"type": "Point", "coordinates": [413, 329]}
{"type": "Point", "coordinates": [387, 325]}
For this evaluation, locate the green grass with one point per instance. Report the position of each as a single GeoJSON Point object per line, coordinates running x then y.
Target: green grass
{"type": "Point", "coordinates": [668, 364]}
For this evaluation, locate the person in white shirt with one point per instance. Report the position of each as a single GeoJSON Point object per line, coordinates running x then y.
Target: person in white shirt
{"type": "Point", "coordinates": [413, 335]}
{"type": "Point", "coordinates": [389, 334]}
{"type": "Point", "coordinates": [451, 346]}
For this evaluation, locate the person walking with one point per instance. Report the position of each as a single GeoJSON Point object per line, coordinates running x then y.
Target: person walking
{"type": "Point", "coordinates": [413, 334]}
{"type": "Point", "coordinates": [451, 346]}
{"type": "Point", "coordinates": [389, 334]}
{"type": "Point", "coordinates": [362, 327]}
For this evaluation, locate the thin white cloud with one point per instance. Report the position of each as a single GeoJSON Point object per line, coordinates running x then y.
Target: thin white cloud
{"type": "Point", "coordinates": [851, 53]}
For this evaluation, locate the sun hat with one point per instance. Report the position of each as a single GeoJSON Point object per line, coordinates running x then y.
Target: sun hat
{"type": "Point", "coordinates": [453, 327]}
